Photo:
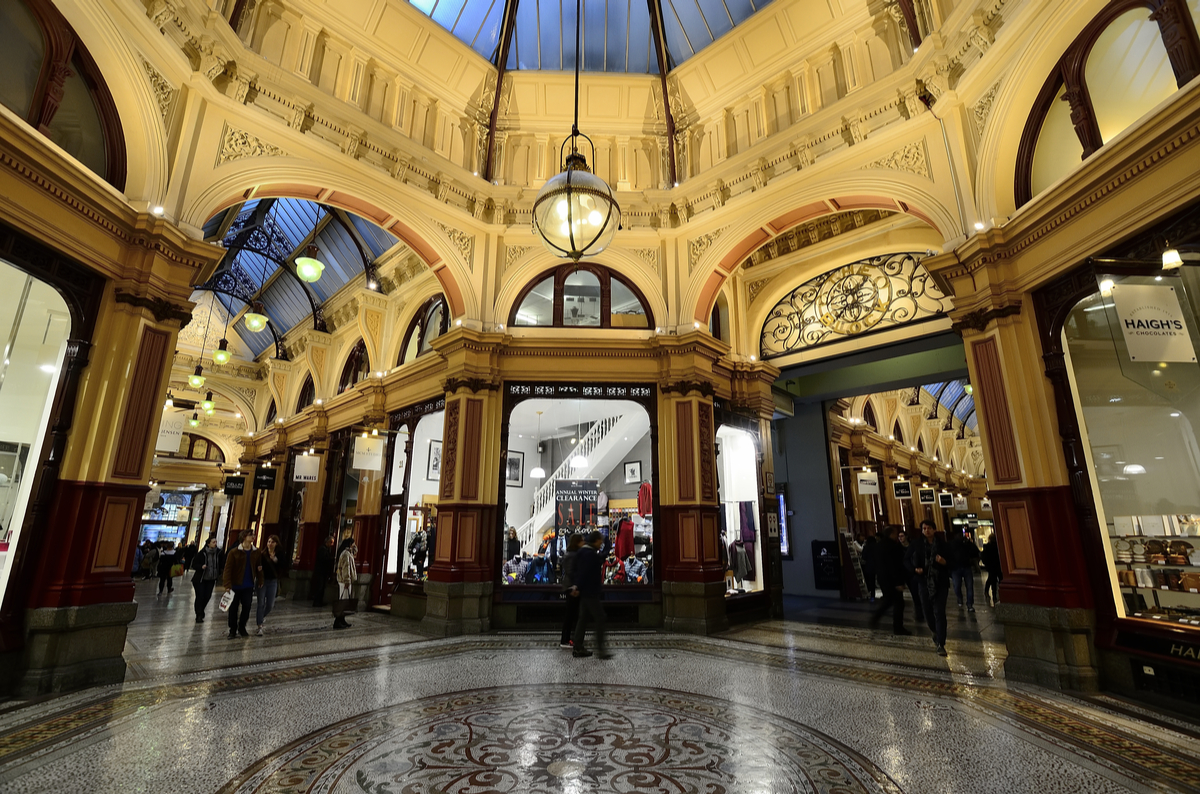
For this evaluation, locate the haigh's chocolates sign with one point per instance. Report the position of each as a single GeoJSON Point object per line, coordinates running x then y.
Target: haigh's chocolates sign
{"type": "Point", "coordinates": [1153, 324]}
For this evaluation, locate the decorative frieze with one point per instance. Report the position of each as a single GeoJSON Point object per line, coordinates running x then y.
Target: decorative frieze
{"type": "Point", "coordinates": [697, 246]}
{"type": "Point", "coordinates": [238, 144]}
{"type": "Point", "coordinates": [983, 108]}
{"type": "Point", "coordinates": [512, 254]}
{"type": "Point", "coordinates": [910, 158]}
{"type": "Point", "coordinates": [164, 92]}
{"type": "Point", "coordinates": [462, 241]}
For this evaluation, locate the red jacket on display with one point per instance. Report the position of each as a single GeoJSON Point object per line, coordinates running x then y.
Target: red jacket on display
{"type": "Point", "coordinates": [645, 505]}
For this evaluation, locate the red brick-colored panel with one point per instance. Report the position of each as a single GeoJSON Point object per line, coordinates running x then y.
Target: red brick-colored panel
{"type": "Point", "coordinates": [685, 452]}
{"type": "Point", "coordinates": [142, 406]}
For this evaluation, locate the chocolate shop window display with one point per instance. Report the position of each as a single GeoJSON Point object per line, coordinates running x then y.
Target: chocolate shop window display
{"type": "Point", "coordinates": [1131, 348]}
{"type": "Point", "coordinates": [737, 475]}
{"type": "Point", "coordinates": [573, 466]}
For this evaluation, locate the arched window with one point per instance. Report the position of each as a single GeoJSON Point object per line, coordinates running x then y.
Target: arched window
{"type": "Point", "coordinates": [308, 393]}
{"type": "Point", "coordinates": [198, 448]}
{"type": "Point", "coordinates": [718, 322]}
{"type": "Point", "coordinates": [897, 433]}
{"type": "Point", "coordinates": [1115, 71]}
{"type": "Point", "coordinates": [52, 82]}
{"type": "Point", "coordinates": [869, 416]}
{"type": "Point", "coordinates": [574, 296]}
{"type": "Point", "coordinates": [920, 445]}
{"type": "Point", "coordinates": [358, 367]}
{"type": "Point", "coordinates": [272, 412]}
{"type": "Point", "coordinates": [432, 321]}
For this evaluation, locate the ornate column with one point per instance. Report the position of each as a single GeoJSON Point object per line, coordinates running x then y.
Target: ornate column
{"type": "Point", "coordinates": [458, 590]}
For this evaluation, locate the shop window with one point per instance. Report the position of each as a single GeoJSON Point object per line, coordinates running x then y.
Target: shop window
{"type": "Point", "coordinates": [431, 322]}
{"type": "Point", "coordinates": [577, 466]}
{"type": "Point", "coordinates": [741, 537]}
{"type": "Point", "coordinates": [413, 481]}
{"type": "Point", "coordinates": [52, 83]}
{"type": "Point", "coordinates": [1115, 72]}
{"type": "Point", "coordinates": [588, 296]}
{"type": "Point", "coordinates": [308, 394]}
{"type": "Point", "coordinates": [357, 367]}
{"type": "Point", "coordinates": [38, 323]}
{"type": "Point", "coordinates": [1137, 400]}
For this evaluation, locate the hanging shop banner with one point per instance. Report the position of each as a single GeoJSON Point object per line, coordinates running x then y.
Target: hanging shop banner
{"type": "Point", "coordinates": [1153, 323]}
{"type": "Point", "coordinates": [868, 483]}
{"type": "Point", "coordinates": [235, 486]}
{"type": "Point", "coordinates": [264, 479]}
{"type": "Point", "coordinates": [927, 496]}
{"type": "Point", "coordinates": [170, 430]}
{"type": "Point", "coordinates": [574, 505]}
{"type": "Point", "coordinates": [368, 453]}
{"type": "Point", "coordinates": [902, 489]}
{"type": "Point", "coordinates": [307, 469]}
{"type": "Point", "coordinates": [945, 500]}
{"type": "Point", "coordinates": [960, 503]}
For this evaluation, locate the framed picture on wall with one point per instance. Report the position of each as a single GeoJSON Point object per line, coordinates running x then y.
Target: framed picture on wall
{"type": "Point", "coordinates": [433, 470]}
{"type": "Point", "coordinates": [514, 469]}
{"type": "Point", "coordinates": [633, 472]}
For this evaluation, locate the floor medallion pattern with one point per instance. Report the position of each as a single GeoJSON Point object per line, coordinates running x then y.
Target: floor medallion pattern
{"type": "Point", "coordinates": [570, 738]}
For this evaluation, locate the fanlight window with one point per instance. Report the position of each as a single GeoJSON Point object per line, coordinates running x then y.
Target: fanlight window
{"type": "Point", "coordinates": [308, 394]}
{"type": "Point", "coordinates": [198, 448]}
{"type": "Point", "coordinates": [582, 296]}
{"type": "Point", "coordinates": [431, 322]}
{"type": "Point", "coordinates": [52, 82]}
{"type": "Point", "coordinates": [860, 298]}
{"type": "Point", "coordinates": [1115, 72]}
{"type": "Point", "coordinates": [358, 367]}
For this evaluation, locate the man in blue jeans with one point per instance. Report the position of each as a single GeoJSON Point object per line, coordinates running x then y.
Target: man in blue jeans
{"type": "Point", "coordinates": [963, 557]}
{"type": "Point", "coordinates": [587, 581]}
{"type": "Point", "coordinates": [927, 560]}
{"type": "Point", "coordinates": [243, 574]}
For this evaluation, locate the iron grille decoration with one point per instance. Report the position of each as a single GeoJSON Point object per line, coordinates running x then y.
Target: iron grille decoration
{"type": "Point", "coordinates": [864, 296]}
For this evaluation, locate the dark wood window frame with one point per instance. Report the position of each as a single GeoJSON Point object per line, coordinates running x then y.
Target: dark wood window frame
{"type": "Point", "coordinates": [898, 432]}
{"type": "Point", "coordinates": [1179, 36]}
{"type": "Point", "coordinates": [63, 50]}
{"type": "Point", "coordinates": [420, 323]}
{"type": "Point", "coordinates": [560, 273]}
{"type": "Point", "coordinates": [272, 414]}
{"type": "Point", "coordinates": [354, 367]}
{"type": "Point", "coordinates": [308, 394]}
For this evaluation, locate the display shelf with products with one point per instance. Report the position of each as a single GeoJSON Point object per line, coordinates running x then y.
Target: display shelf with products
{"type": "Point", "coordinates": [1156, 563]}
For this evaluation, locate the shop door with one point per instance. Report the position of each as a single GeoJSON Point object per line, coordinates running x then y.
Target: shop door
{"type": "Point", "coordinates": [393, 553]}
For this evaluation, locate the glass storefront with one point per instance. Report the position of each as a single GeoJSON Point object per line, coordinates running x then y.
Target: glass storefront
{"type": "Point", "coordinates": [741, 536]}
{"type": "Point", "coordinates": [35, 322]}
{"type": "Point", "coordinates": [574, 466]}
{"type": "Point", "coordinates": [1131, 348]}
{"type": "Point", "coordinates": [410, 504]}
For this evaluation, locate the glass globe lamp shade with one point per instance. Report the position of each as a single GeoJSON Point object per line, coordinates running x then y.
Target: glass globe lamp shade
{"type": "Point", "coordinates": [222, 355]}
{"type": "Point", "coordinates": [207, 404]}
{"type": "Point", "coordinates": [1171, 259]}
{"type": "Point", "coordinates": [195, 420]}
{"type": "Point", "coordinates": [308, 267]}
{"type": "Point", "coordinates": [255, 320]}
{"type": "Point", "coordinates": [575, 213]}
{"type": "Point", "coordinates": [210, 412]}
{"type": "Point", "coordinates": [196, 380]}
{"type": "Point", "coordinates": [537, 472]}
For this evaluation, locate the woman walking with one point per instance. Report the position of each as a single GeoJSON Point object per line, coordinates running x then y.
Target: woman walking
{"type": "Point", "coordinates": [207, 565]}
{"type": "Point", "coordinates": [991, 562]}
{"type": "Point", "coordinates": [347, 576]}
{"type": "Point", "coordinates": [166, 561]}
{"type": "Point", "coordinates": [570, 591]}
{"type": "Point", "coordinates": [270, 582]}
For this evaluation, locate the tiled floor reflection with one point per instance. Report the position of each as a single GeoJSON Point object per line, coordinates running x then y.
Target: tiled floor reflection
{"type": "Point", "coordinates": [769, 708]}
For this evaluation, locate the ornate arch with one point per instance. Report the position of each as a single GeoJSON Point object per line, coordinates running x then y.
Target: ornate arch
{"type": "Point", "coordinates": [287, 177]}
{"type": "Point", "coordinates": [710, 268]}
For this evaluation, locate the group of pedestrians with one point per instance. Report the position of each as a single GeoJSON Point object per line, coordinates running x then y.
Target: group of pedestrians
{"type": "Point", "coordinates": [927, 566]}
{"type": "Point", "coordinates": [164, 560]}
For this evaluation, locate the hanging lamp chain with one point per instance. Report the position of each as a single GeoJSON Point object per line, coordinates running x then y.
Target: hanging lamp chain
{"type": "Point", "coordinates": [578, 45]}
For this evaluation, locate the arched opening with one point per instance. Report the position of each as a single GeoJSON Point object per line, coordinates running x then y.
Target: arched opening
{"type": "Point", "coordinates": [869, 416]}
{"type": "Point", "coordinates": [308, 394]}
{"type": "Point", "coordinates": [272, 414]}
{"type": "Point", "coordinates": [357, 367]}
{"type": "Point", "coordinates": [581, 296]}
{"type": "Point", "coordinates": [718, 321]}
{"type": "Point", "coordinates": [898, 432]}
{"type": "Point", "coordinates": [431, 321]}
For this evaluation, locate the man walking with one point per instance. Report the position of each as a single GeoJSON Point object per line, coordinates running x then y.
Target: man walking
{"type": "Point", "coordinates": [889, 559]}
{"type": "Point", "coordinates": [243, 573]}
{"type": "Point", "coordinates": [963, 557]}
{"type": "Point", "coordinates": [587, 581]}
{"type": "Point", "coordinates": [927, 559]}
{"type": "Point", "coordinates": [207, 567]}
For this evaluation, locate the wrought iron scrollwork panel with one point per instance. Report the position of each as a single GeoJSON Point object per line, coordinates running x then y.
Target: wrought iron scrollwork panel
{"type": "Point", "coordinates": [864, 296]}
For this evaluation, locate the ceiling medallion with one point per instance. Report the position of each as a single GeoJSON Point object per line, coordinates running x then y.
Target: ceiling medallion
{"type": "Point", "coordinates": [575, 213]}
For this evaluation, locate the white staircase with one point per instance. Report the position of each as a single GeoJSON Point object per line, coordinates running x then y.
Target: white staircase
{"type": "Point", "coordinates": [605, 446]}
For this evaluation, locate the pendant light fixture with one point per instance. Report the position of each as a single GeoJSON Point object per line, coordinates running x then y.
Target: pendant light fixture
{"type": "Point", "coordinates": [308, 267]}
{"type": "Point", "coordinates": [575, 213]}
{"type": "Point", "coordinates": [207, 404]}
{"type": "Point", "coordinates": [222, 355]}
{"type": "Point", "coordinates": [255, 320]}
{"type": "Point", "coordinates": [195, 420]}
{"type": "Point", "coordinates": [1171, 259]}
{"type": "Point", "coordinates": [578, 461]}
{"type": "Point", "coordinates": [537, 471]}
{"type": "Point", "coordinates": [196, 379]}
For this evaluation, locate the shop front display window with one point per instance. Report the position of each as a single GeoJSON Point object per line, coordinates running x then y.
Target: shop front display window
{"type": "Point", "coordinates": [741, 537]}
{"type": "Point", "coordinates": [1131, 349]}
{"type": "Point", "coordinates": [413, 482]}
{"type": "Point", "coordinates": [574, 466]}
{"type": "Point", "coordinates": [36, 322]}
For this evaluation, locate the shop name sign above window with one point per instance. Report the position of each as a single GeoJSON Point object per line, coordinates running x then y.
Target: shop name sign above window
{"type": "Point", "coordinates": [368, 453]}
{"type": "Point", "coordinates": [307, 469]}
{"type": "Point", "coordinates": [1152, 323]}
{"type": "Point", "coordinates": [868, 483]}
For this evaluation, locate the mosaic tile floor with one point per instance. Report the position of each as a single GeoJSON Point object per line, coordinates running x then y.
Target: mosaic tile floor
{"type": "Point", "coordinates": [768, 708]}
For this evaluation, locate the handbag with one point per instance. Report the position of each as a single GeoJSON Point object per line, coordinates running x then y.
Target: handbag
{"type": "Point", "coordinates": [226, 601]}
{"type": "Point", "coordinates": [177, 570]}
{"type": "Point", "coordinates": [346, 604]}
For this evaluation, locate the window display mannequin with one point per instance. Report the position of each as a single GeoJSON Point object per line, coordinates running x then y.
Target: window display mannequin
{"type": "Point", "coordinates": [635, 570]}
{"type": "Point", "coordinates": [613, 570]}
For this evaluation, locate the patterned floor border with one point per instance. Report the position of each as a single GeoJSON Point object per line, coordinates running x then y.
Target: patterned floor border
{"type": "Point", "coordinates": [1085, 728]}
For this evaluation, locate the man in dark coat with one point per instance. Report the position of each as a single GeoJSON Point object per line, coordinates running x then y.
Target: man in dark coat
{"type": "Point", "coordinates": [928, 559]}
{"type": "Point", "coordinates": [587, 580]}
{"type": "Point", "coordinates": [963, 557]}
{"type": "Point", "coordinates": [889, 565]}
